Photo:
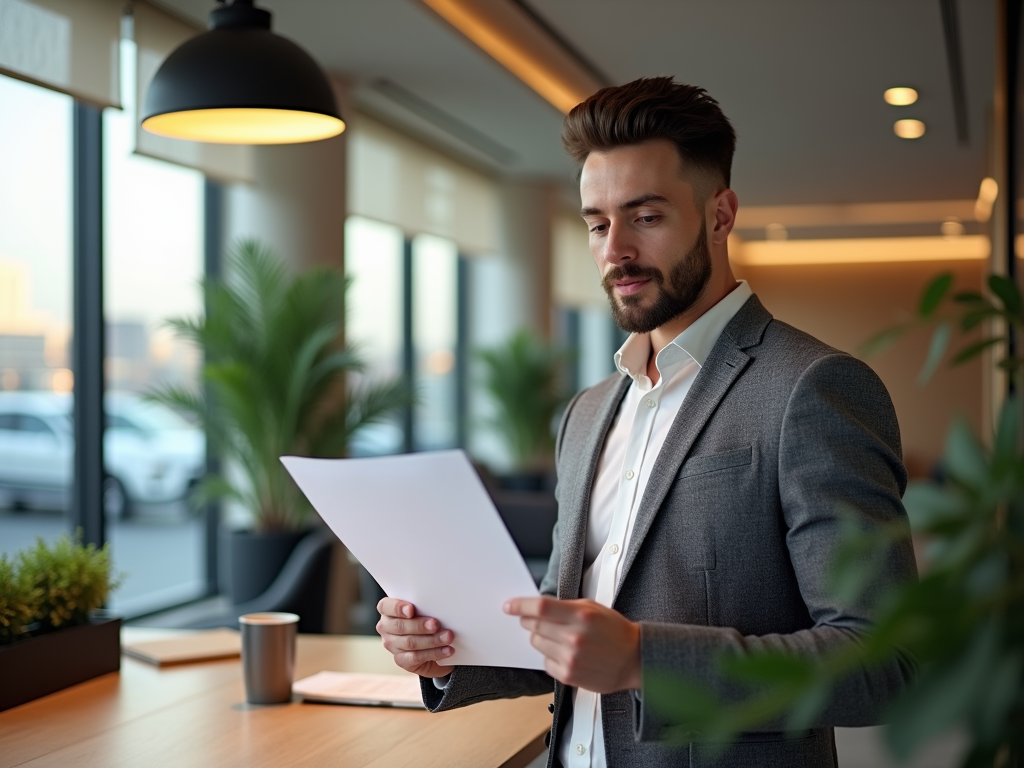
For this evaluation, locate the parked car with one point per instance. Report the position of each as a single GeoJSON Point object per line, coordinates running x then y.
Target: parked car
{"type": "Point", "coordinates": [151, 455]}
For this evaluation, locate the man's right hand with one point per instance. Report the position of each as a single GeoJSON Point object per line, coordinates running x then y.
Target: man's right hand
{"type": "Point", "coordinates": [416, 642]}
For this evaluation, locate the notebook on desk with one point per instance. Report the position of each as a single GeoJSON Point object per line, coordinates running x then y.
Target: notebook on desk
{"type": "Point", "coordinates": [400, 690]}
{"type": "Point", "coordinates": [200, 645]}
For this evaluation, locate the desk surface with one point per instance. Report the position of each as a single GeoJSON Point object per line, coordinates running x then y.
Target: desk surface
{"type": "Point", "coordinates": [196, 715]}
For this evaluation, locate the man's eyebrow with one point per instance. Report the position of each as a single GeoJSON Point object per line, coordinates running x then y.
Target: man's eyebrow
{"type": "Point", "coordinates": [636, 202]}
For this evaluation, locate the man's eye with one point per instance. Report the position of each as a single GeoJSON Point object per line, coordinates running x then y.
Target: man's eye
{"type": "Point", "coordinates": [599, 228]}
{"type": "Point", "coordinates": [649, 219]}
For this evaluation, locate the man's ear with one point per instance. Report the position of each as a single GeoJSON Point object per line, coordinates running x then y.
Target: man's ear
{"type": "Point", "coordinates": [722, 208]}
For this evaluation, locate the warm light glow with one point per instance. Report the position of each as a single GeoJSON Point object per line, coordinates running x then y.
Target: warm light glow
{"type": "Point", "coordinates": [776, 232]}
{"type": "Point", "coordinates": [62, 380]}
{"type": "Point", "coordinates": [952, 227]}
{"type": "Point", "coordinates": [865, 250]}
{"type": "Point", "coordinates": [987, 194]}
{"type": "Point", "coordinates": [496, 41]}
{"type": "Point", "coordinates": [245, 126]}
{"type": "Point", "coordinates": [440, 362]}
{"type": "Point", "coordinates": [900, 97]}
{"type": "Point", "coordinates": [909, 129]}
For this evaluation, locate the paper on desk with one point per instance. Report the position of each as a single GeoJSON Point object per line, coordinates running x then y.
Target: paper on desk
{"type": "Point", "coordinates": [361, 688]}
{"type": "Point", "coordinates": [426, 530]}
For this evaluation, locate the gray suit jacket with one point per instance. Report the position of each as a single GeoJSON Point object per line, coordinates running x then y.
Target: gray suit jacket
{"type": "Point", "coordinates": [733, 537]}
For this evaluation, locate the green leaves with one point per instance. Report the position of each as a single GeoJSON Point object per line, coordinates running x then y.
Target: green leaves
{"type": "Point", "coordinates": [65, 580]}
{"type": "Point", "coordinates": [1007, 292]}
{"type": "Point", "coordinates": [524, 379]}
{"type": "Point", "coordinates": [970, 311]}
{"type": "Point", "coordinates": [275, 379]}
{"type": "Point", "coordinates": [933, 295]}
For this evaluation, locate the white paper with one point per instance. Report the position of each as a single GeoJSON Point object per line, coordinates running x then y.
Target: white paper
{"type": "Point", "coordinates": [361, 688]}
{"type": "Point", "coordinates": [424, 527]}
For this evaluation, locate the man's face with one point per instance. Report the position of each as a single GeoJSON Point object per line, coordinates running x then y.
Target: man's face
{"type": "Point", "coordinates": [646, 234]}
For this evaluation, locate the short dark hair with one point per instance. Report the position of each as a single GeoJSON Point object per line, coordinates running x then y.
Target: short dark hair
{"type": "Point", "coordinates": [654, 108]}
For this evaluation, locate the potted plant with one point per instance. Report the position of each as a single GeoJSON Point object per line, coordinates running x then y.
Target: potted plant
{"type": "Point", "coordinates": [51, 632]}
{"type": "Point", "coordinates": [963, 621]}
{"type": "Point", "coordinates": [276, 380]}
{"type": "Point", "coordinates": [524, 378]}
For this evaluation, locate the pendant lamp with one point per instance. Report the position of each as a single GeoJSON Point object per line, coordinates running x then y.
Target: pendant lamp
{"type": "Point", "coordinates": [239, 83]}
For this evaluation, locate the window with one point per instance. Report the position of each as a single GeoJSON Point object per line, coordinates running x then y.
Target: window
{"type": "Point", "coordinates": [153, 262]}
{"type": "Point", "coordinates": [373, 323]}
{"type": "Point", "coordinates": [35, 312]}
{"type": "Point", "coordinates": [435, 337]}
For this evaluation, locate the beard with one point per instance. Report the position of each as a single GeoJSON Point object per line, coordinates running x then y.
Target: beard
{"type": "Point", "coordinates": [677, 292]}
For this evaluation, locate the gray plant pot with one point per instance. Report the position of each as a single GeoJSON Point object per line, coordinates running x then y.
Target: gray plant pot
{"type": "Point", "coordinates": [255, 559]}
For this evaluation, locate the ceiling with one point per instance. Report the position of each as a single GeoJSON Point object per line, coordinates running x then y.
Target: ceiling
{"type": "Point", "coordinates": [801, 80]}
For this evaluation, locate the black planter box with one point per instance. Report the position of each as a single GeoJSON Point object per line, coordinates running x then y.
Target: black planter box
{"type": "Point", "coordinates": [45, 664]}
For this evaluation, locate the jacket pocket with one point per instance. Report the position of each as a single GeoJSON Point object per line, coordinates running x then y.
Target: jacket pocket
{"type": "Point", "coordinates": [699, 465]}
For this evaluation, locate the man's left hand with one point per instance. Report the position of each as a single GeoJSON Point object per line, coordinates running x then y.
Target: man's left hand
{"type": "Point", "coordinates": [585, 644]}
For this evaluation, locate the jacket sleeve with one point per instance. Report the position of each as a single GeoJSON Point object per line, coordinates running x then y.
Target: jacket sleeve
{"type": "Point", "coordinates": [839, 449]}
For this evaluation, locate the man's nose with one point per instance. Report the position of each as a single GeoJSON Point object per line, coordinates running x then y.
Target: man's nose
{"type": "Point", "coordinates": [618, 246]}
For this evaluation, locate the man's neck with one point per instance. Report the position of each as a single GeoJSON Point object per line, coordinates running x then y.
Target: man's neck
{"type": "Point", "coordinates": [663, 335]}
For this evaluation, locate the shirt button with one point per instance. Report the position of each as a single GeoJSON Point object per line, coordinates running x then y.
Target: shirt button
{"type": "Point", "coordinates": [580, 749]}
{"type": "Point", "coordinates": [614, 549]}
{"type": "Point", "coordinates": [651, 403]}
{"type": "Point", "coordinates": [629, 474]}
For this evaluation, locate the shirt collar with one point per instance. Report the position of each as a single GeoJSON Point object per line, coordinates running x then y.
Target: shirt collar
{"type": "Point", "coordinates": [695, 343]}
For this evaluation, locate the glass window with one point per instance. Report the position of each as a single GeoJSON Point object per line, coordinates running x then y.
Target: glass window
{"type": "Point", "coordinates": [373, 323]}
{"type": "Point", "coordinates": [435, 329]}
{"type": "Point", "coordinates": [153, 262]}
{"type": "Point", "coordinates": [35, 311]}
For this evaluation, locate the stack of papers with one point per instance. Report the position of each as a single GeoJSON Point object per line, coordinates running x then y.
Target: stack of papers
{"type": "Point", "coordinates": [353, 688]}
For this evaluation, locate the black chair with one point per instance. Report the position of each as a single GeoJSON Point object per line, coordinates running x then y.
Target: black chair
{"type": "Point", "coordinates": [300, 587]}
{"type": "Point", "coordinates": [530, 517]}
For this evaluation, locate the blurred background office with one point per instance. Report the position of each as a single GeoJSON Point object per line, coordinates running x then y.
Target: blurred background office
{"type": "Point", "coordinates": [876, 148]}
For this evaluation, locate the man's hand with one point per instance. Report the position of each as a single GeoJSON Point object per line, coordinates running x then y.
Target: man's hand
{"type": "Point", "coordinates": [416, 642]}
{"type": "Point", "coordinates": [585, 644]}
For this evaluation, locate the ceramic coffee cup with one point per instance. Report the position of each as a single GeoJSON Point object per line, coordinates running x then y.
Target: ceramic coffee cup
{"type": "Point", "coordinates": [268, 656]}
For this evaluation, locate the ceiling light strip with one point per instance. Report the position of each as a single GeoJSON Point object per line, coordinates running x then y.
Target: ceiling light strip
{"type": "Point", "coordinates": [867, 250]}
{"type": "Point", "coordinates": [514, 40]}
{"type": "Point", "coordinates": [919, 212]}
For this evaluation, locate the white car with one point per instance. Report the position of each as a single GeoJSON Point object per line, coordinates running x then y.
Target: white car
{"type": "Point", "coordinates": [151, 454]}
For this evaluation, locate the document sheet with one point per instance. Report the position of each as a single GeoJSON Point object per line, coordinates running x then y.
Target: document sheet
{"type": "Point", "coordinates": [360, 688]}
{"type": "Point", "coordinates": [424, 527]}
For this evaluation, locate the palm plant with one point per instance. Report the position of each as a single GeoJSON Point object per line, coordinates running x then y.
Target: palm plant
{"type": "Point", "coordinates": [274, 380]}
{"type": "Point", "coordinates": [524, 379]}
{"type": "Point", "coordinates": [963, 620]}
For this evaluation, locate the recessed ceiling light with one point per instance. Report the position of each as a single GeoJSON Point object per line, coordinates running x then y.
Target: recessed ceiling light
{"type": "Point", "coordinates": [900, 97]}
{"type": "Point", "coordinates": [909, 129]}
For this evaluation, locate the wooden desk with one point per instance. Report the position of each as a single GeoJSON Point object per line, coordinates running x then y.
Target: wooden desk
{"type": "Point", "coordinates": [195, 715]}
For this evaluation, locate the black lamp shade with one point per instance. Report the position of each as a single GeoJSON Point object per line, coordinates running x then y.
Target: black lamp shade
{"type": "Point", "coordinates": [241, 83]}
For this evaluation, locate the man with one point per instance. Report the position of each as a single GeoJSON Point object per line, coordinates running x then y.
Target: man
{"type": "Point", "coordinates": [701, 487]}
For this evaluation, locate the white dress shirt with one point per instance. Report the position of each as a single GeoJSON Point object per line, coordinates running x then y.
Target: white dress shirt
{"type": "Point", "coordinates": [634, 442]}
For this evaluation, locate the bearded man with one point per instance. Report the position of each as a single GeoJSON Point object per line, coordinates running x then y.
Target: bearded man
{"type": "Point", "coordinates": [701, 487]}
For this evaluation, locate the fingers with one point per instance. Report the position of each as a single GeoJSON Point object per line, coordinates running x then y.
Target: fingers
{"type": "Point", "coordinates": [396, 618]}
{"type": "Point", "coordinates": [418, 626]}
{"type": "Point", "coordinates": [389, 606]}
{"type": "Point", "coordinates": [544, 608]}
{"type": "Point", "coordinates": [413, 660]}
{"type": "Point", "coordinates": [400, 643]}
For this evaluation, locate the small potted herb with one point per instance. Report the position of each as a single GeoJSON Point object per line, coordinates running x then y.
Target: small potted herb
{"type": "Point", "coordinates": [52, 633]}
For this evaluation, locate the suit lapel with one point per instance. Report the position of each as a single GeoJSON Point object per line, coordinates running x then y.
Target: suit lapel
{"type": "Point", "coordinates": [723, 366]}
{"type": "Point", "coordinates": [577, 510]}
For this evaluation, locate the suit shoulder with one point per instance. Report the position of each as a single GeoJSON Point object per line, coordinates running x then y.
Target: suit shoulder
{"type": "Point", "coordinates": [798, 350]}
